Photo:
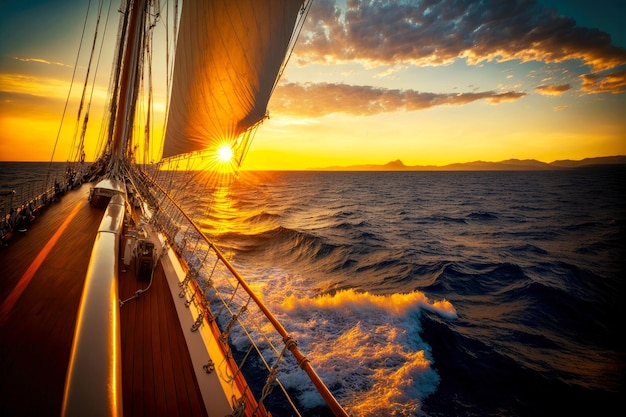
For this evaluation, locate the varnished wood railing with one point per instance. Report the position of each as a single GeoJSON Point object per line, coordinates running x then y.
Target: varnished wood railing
{"type": "Point", "coordinates": [93, 386]}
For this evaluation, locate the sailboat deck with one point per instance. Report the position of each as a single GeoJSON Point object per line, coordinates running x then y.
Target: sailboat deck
{"type": "Point", "coordinates": [42, 276]}
{"type": "Point", "coordinates": [151, 331]}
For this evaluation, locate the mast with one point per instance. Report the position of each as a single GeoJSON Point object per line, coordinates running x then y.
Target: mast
{"type": "Point", "coordinates": [128, 79]}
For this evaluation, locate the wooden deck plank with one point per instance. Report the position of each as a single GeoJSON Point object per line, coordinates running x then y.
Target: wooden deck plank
{"type": "Point", "coordinates": [24, 247]}
{"type": "Point", "coordinates": [168, 367]}
{"type": "Point", "coordinates": [36, 339]}
{"type": "Point", "coordinates": [147, 347]}
{"type": "Point", "coordinates": [180, 361]}
{"type": "Point", "coordinates": [157, 352]}
{"type": "Point", "coordinates": [127, 288]}
{"type": "Point", "coordinates": [168, 387]}
{"type": "Point", "coordinates": [194, 396]}
{"type": "Point", "coordinates": [139, 384]}
{"type": "Point", "coordinates": [177, 346]}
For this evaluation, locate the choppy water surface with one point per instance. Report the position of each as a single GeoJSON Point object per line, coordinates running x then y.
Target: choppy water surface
{"type": "Point", "coordinates": [450, 293]}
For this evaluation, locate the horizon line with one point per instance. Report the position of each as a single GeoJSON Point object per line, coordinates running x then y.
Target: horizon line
{"type": "Point", "coordinates": [512, 164]}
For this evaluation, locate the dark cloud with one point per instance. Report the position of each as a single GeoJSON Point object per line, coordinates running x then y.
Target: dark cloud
{"type": "Point", "coordinates": [319, 99]}
{"type": "Point", "coordinates": [553, 90]}
{"type": "Point", "coordinates": [432, 32]}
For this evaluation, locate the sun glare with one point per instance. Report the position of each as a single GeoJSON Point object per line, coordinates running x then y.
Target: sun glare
{"type": "Point", "coordinates": [225, 153]}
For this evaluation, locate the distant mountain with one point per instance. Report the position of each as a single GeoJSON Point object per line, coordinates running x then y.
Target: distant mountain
{"type": "Point", "coordinates": [606, 160]}
{"type": "Point", "coordinates": [508, 165]}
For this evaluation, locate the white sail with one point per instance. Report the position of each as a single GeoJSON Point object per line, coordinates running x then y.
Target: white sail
{"type": "Point", "coordinates": [228, 58]}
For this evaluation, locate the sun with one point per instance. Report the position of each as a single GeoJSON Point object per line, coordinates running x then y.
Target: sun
{"type": "Point", "coordinates": [225, 153]}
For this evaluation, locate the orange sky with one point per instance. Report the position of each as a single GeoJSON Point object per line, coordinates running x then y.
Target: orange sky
{"type": "Point", "coordinates": [368, 85]}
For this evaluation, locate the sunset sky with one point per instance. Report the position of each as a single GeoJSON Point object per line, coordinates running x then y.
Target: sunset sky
{"type": "Point", "coordinates": [428, 82]}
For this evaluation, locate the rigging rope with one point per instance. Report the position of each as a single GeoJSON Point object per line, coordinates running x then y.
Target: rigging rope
{"type": "Point", "coordinates": [67, 100]}
{"type": "Point", "coordinates": [304, 11]}
{"type": "Point", "coordinates": [85, 84]}
{"type": "Point", "coordinates": [93, 87]}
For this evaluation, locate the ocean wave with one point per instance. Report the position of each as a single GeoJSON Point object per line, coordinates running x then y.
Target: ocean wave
{"type": "Point", "coordinates": [344, 225]}
{"type": "Point", "coordinates": [524, 207]}
{"type": "Point", "coordinates": [263, 218]}
{"type": "Point", "coordinates": [368, 347]}
{"type": "Point", "coordinates": [446, 219]}
{"type": "Point", "coordinates": [469, 278]}
{"type": "Point", "coordinates": [318, 250]}
{"type": "Point", "coordinates": [527, 248]}
{"type": "Point", "coordinates": [482, 215]}
{"type": "Point", "coordinates": [582, 226]}
{"type": "Point", "coordinates": [290, 247]}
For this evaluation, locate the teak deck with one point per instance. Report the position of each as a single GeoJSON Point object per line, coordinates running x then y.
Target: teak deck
{"type": "Point", "coordinates": [38, 314]}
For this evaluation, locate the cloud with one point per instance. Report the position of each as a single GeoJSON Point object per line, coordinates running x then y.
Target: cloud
{"type": "Point", "coordinates": [607, 83]}
{"type": "Point", "coordinates": [42, 61]}
{"type": "Point", "coordinates": [33, 86]}
{"type": "Point", "coordinates": [319, 99]}
{"type": "Point", "coordinates": [552, 90]}
{"type": "Point", "coordinates": [25, 105]}
{"type": "Point", "coordinates": [431, 32]}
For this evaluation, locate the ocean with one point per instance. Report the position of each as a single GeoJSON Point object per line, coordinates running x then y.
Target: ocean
{"type": "Point", "coordinates": [438, 293]}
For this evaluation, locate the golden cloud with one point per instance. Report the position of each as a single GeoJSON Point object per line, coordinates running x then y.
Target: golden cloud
{"type": "Point", "coordinates": [553, 90]}
{"type": "Point", "coordinates": [607, 83]}
{"type": "Point", "coordinates": [319, 99]}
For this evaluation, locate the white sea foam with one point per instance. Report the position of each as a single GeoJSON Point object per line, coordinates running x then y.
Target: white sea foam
{"type": "Point", "coordinates": [366, 347]}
